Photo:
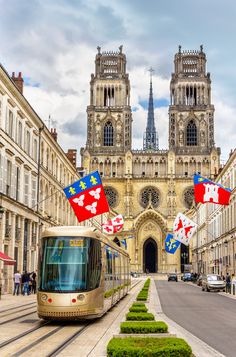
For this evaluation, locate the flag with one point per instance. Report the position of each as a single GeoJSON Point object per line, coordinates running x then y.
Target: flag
{"type": "Point", "coordinates": [123, 241]}
{"type": "Point", "coordinates": [87, 197]}
{"type": "Point", "coordinates": [184, 228]}
{"type": "Point", "coordinates": [113, 225]}
{"type": "Point", "coordinates": [171, 245]}
{"type": "Point", "coordinates": [209, 191]}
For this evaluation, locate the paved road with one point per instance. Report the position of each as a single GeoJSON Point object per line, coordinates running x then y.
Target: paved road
{"type": "Point", "coordinates": [209, 316]}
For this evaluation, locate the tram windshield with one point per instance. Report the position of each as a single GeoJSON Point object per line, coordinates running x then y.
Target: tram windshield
{"type": "Point", "coordinates": [70, 264]}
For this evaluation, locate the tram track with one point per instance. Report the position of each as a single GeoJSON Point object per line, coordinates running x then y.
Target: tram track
{"type": "Point", "coordinates": [33, 341]}
{"type": "Point", "coordinates": [17, 317]}
{"type": "Point", "coordinates": [14, 308]}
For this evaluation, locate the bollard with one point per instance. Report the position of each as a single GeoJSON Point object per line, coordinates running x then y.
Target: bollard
{"type": "Point", "coordinates": [0, 292]}
{"type": "Point", "coordinates": [233, 289]}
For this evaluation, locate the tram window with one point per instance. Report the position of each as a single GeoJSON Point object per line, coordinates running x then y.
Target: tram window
{"type": "Point", "coordinates": [70, 264]}
{"type": "Point", "coordinates": [109, 270]}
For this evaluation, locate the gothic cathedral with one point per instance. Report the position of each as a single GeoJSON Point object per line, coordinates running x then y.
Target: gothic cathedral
{"type": "Point", "coordinates": [150, 186]}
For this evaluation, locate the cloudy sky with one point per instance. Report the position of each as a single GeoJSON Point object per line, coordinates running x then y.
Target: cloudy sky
{"type": "Point", "coordinates": [53, 43]}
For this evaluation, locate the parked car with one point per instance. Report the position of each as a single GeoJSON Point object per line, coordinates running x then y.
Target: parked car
{"type": "Point", "coordinates": [172, 277]}
{"type": "Point", "coordinates": [187, 277]}
{"type": "Point", "coordinates": [212, 282]}
{"type": "Point", "coordinates": [199, 280]}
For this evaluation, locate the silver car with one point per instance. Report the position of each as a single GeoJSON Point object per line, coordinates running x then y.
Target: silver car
{"type": "Point", "coordinates": [212, 282]}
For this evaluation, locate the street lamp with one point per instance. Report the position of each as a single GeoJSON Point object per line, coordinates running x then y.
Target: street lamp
{"type": "Point", "coordinates": [184, 255]}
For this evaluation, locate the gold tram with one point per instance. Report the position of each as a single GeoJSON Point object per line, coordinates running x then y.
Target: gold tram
{"type": "Point", "coordinates": [82, 274]}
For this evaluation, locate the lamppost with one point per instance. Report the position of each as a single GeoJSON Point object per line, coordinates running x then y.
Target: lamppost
{"type": "Point", "coordinates": [212, 256]}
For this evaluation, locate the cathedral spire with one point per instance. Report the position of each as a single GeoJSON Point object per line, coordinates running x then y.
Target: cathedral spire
{"type": "Point", "coordinates": [150, 138]}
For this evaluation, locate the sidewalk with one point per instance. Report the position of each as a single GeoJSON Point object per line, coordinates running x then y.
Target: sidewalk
{"type": "Point", "coordinates": [231, 296]}
{"type": "Point", "coordinates": [9, 301]}
{"type": "Point", "coordinates": [200, 348]}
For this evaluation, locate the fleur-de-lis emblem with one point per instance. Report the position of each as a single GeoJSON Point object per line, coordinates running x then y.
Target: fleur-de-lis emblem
{"type": "Point", "coordinates": [92, 207]}
{"type": "Point", "coordinates": [79, 200]}
{"type": "Point", "coordinates": [96, 193]}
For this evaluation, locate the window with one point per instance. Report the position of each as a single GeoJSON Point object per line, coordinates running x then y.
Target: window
{"type": "Point", "coordinates": [191, 134]}
{"type": "Point", "coordinates": [33, 192]}
{"type": "Point", "coordinates": [27, 144]}
{"type": "Point", "coordinates": [17, 183]}
{"type": "Point", "coordinates": [70, 264]}
{"type": "Point", "coordinates": [108, 134]}
{"type": "Point", "coordinates": [26, 188]}
{"type": "Point", "coordinates": [188, 197]}
{"type": "Point", "coordinates": [9, 174]}
{"type": "Point", "coordinates": [150, 195]}
{"type": "Point", "coordinates": [20, 133]}
{"type": "Point", "coordinates": [111, 196]}
{"type": "Point", "coordinates": [9, 122]}
{"type": "Point", "coordinates": [35, 150]}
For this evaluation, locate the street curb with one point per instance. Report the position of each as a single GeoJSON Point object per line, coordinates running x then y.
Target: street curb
{"type": "Point", "coordinates": [199, 347]}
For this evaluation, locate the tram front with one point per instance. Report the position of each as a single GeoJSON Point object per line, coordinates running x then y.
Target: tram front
{"type": "Point", "coordinates": [70, 274]}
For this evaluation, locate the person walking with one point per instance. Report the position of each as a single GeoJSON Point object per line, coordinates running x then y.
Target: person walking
{"type": "Point", "coordinates": [25, 281]}
{"type": "Point", "coordinates": [17, 280]}
{"type": "Point", "coordinates": [33, 288]}
{"type": "Point", "coordinates": [228, 283]}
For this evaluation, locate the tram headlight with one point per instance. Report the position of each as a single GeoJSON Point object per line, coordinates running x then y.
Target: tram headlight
{"type": "Point", "coordinates": [44, 297]}
{"type": "Point", "coordinates": [81, 297]}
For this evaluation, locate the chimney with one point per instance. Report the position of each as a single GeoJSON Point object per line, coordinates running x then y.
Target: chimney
{"type": "Point", "coordinates": [54, 133]}
{"type": "Point", "coordinates": [19, 81]}
{"type": "Point", "coordinates": [71, 155]}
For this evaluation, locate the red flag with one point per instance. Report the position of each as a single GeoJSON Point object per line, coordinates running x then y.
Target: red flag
{"type": "Point", "coordinates": [114, 225]}
{"type": "Point", "coordinates": [209, 191]}
{"type": "Point", "coordinates": [87, 197]}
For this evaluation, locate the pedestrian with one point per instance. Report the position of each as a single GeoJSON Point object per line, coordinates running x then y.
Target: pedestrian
{"type": "Point", "coordinates": [228, 283]}
{"type": "Point", "coordinates": [25, 281]}
{"type": "Point", "coordinates": [33, 288]}
{"type": "Point", "coordinates": [17, 280]}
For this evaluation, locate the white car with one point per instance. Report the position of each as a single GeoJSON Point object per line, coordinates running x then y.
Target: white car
{"type": "Point", "coordinates": [212, 282]}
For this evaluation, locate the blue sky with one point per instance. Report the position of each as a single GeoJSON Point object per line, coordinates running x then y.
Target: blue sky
{"type": "Point", "coordinates": [53, 43]}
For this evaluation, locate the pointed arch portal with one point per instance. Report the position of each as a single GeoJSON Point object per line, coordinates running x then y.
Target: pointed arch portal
{"type": "Point", "coordinates": [150, 256]}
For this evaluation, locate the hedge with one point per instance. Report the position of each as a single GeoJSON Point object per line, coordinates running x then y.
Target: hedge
{"type": "Point", "coordinates": [143, 327]}
{"type": "Point", "coordinates": [142, 296]}
{"type": "Point", "coordinates": [139, 316]}
{"type": "Point", "coordinates": [138, 304]}
{"type": "Point", "coordinates": [138, 309]}
{"type": "Point", "coordinates": [149, 346]}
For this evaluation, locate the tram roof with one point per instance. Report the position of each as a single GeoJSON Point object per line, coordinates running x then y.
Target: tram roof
{"type": "Point", "coordinates": [75, 231]}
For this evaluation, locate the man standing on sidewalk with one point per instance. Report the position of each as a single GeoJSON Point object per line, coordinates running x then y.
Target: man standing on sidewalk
{"type": "Point", "coordinates": [17, 278]}
{"type": "Point", "coordinates": [25, 282]}
{"type": "Point", "coordinates": [228, 283]}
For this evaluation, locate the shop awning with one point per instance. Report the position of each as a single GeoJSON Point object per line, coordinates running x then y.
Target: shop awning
{"type": "Point", "coordinates": [6, 259]}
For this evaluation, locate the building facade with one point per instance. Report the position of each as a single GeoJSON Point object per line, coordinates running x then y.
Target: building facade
{"type": "Point", "coordinates": [150, 186]}
{"type": "Point", "coordinates": [33, 167]}
{"type": "Point", "coordinates": [214, 245]}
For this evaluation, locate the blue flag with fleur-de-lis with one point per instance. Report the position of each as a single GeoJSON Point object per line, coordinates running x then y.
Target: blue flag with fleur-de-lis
{"type": "Point", "coordinates": [171, 245]}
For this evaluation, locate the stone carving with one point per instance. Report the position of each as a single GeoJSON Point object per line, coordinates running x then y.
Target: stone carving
{"type": "Point", "coordinates": [98, 132]}
{"type": "Point", "coordinates": [202, 137]}
{"type": "Point", "coordinates": [149, 227]}
{"type": "Point", "coordinates": [181, 137]}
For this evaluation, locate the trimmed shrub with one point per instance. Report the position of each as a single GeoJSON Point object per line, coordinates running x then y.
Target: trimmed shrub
{"type": "Point", "coordinates": [142, 296]}
{"type": "Point", "coordinates": [138, 304]}
{"type": "Point", "coordinates": [138, 309]}
{"type": "Point", "coordinates": [139, 316]}
{"type": "Point", "coordinates": [146, 347]}
{"type": "Point", "coordinates": [143, 327]}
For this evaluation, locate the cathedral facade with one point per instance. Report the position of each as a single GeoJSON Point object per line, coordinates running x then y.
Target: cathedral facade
{"type": "Point", "coordinates": [150, 186]}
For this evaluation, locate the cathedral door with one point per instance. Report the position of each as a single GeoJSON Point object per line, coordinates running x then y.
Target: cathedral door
{"type": "Point", "coordinates": [150, 256]}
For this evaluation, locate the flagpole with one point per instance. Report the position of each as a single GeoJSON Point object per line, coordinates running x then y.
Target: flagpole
{"type": "Point", "coordinates": [197, 240]}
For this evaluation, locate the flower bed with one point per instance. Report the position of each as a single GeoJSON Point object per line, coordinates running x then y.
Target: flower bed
{"type": "Point", "coordinates": [146, 347]}
{"type": "Point", "coordinates": [139, 316]}
{"type": "Point", "coordinates": [143, 327]}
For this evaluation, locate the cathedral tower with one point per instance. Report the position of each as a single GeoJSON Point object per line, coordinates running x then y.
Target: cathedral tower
{"type": "Point", "coordinates": [109, 112]}
{"type": "Point", "coordinates": [150, 138]}
{"type": "Point", "coordinates": [191, 114]}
